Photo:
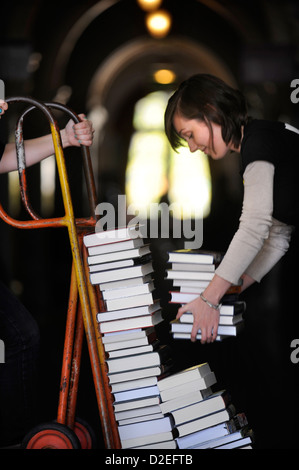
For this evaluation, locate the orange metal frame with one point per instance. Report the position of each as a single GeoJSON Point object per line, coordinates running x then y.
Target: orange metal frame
{"type": "Point", "coordinates": [84, 299]}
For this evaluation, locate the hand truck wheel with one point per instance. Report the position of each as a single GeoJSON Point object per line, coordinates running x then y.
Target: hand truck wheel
{"type": "Point", "coordinates": [85, 434]}
{"type": "Point", "coordinates": [51, 436]}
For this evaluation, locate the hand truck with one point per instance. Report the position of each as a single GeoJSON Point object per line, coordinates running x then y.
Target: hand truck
{"type": "Point", "coordinates": [84, 300]}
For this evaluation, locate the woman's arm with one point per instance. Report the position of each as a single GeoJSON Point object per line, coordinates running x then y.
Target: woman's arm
{"type": "Point", "coordinates": [254, 229]}
{"type": "Point", "coordinates": [42, 147]}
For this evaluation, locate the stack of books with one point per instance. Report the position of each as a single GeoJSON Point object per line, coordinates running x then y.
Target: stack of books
{"type": "Point", "coordinates": [202, 418]}
{"type": "Point", "coordinates": [133, 377]}
{"type": "Point", "coordinates": [152, 406]}
{"type": "Point", "coordinates": [191, 271]}
{"type": "Point", "coordinates": [120, 265]}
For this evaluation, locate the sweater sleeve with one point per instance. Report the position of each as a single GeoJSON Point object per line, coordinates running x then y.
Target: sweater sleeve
{"type": "Point", "coordinates": [248, 248]}
{"type": "Point", "coordinates": [276, 245]}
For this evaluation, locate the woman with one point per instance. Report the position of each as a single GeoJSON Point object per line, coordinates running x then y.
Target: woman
{"type": "Point", "coordinates": [211, 116]}
{"type": "Point", "coordinates": [18, 330]}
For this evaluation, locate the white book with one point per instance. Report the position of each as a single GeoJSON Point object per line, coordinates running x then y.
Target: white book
{"type": "Point", "coordinates": [191, 256]}
{"type": "Point", "coordinates": [192, 275]}
{"type": "Point", "coordinates": [135, 374]}
{"type": "Point", "coordinates": [136, 412]}
{"type": "Point", "coordinates": [211, 443]}
{"type": "Point", "coordinates": [223, 319]}
{"type": "Point", "coordinates": [131, 431]}
{"type": "Point", "coordinates": [185, 376]}
{"type": "Point", "coordinates": [127, 335]}
{"type": "Point", "coordinates": [137, 393]}
{"type": "Point", "coordinates": [123, 283]}
{"type": "Point", "coordinates": [129, 302]}
{"type": "Point", "coordinates": [113, 247]}
{"type": "Point", "coordinates": [204, 422]}
{"type": "Point", "coordinates": [111, 236]}
{"type": "Point", "coordinates": [132, 351]}
{"type": "Point", "coordinates": [193, 267]}
{"type": "Point", "coordinates": [134, 404]}
{"type": "Point", "coordinates": [241, 443]}
{"type": "Point", "coordinates": [143, 440]}
{"type": "Point", "coordinates": [187, 336]}
{"type": "Point", "coordinates": [142, 321]}
{"type": "Point", "coordinates": [216, 402]}
{"type": "Point", "coordinates": [194, 438]}
{"type": "Point", "coordinates": [171, 444]}
{"type": "Point", "coordinates": [139, 361]}
{"type": "Point", "coordinates": [122, 273]}
{"type": "Point", "coordinates": [230, 319]}
{"type": "Point", "coordinates": [228, 330]}
{"type": "Point", "coordinates": [128, 291]}
{"type": "Point", "coordinates": [192, 290]}
{"type": "Point", "coordinates": [139, 419]}
{"type": "Point", "coordinates": [133, 384]}
{"type": "Point", "coordinates": [130, 342]}
{"type": "Point", "coordinates": [185, 400]}
{"type": "Point", "coordinates": [190, 283]}
{"type": "Point", "coordinates": [182, 389]}
{"type": "Point", "coordinates": [95, 268]}
{"type": "Point", "coordinates": [225, 309]}
{"type": "Point", "coordinates": [128, 312]}
{"type": "Point", "coordinates": [119, 255]}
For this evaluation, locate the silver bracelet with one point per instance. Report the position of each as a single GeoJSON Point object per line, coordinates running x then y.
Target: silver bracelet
{"type": "Point", "coordinates": [214, 306]}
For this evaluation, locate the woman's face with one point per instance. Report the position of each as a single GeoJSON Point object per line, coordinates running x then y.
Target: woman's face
{"type": "Point", "coordinates": [198, 136]}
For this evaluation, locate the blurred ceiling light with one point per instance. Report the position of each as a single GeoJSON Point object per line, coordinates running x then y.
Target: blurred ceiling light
{"type": "Point", "coordinates": [158, 23]}
{"type": "Point", "coordinates": [149, 5]}
{"type": "Point", "coordinates": [164, 76]}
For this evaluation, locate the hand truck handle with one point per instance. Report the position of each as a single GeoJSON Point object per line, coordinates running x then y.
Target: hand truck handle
{"type": "Point", "coordinates": [37, 221]}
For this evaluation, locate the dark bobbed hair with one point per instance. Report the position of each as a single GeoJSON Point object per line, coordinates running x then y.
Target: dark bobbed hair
{"type": "Point", "coordinates": [207, 98]}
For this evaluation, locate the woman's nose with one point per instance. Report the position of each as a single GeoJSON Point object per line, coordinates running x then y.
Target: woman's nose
{"type": "Point", "coordinates": [192, 147]}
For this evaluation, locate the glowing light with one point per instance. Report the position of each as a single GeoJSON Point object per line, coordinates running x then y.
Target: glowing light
{"type": "Point", "coordinates": [47, 184]}
{"type": "Point", "coordinates": [158, 23]}
{"type": "Point", "coordinates": [164, 76]}
{"type": "Point", "coordinates": [146, 180]}
{"type": "Point", "coordinates": [149, 5]}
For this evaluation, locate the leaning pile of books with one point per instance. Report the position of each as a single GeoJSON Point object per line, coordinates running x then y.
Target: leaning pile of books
{"type": "Point", "coordinates": [191, 271]}
{"type": "Point", "coordinates": [202, 418]}
{"type": "Point", "coordinates": [120, 265]}
{"type": "Point", "coordinates": [187, 415]}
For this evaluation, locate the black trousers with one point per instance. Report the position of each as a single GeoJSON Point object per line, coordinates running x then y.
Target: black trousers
{"type": "Point", "coordinates": [18, 374]}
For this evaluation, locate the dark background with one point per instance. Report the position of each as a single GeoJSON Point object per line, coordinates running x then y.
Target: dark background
{"type": "Point", "coordinates": [45, 48]}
